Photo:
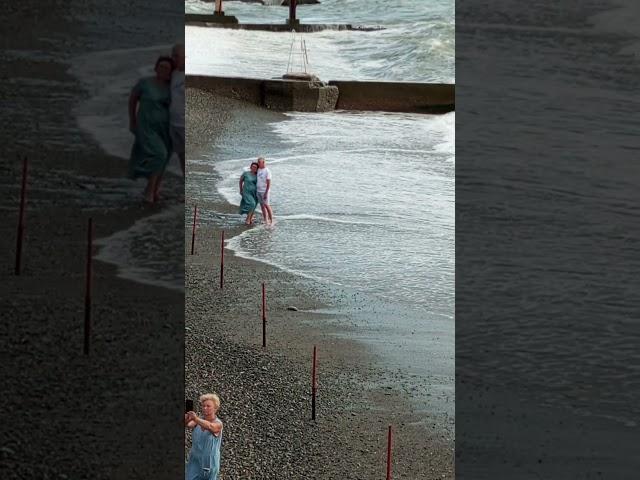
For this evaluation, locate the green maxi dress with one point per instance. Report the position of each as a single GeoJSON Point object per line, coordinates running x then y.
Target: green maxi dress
{"type": "Point", "coordinates": [152, 147]}
{"type": "Point", "coordinates": [249, 195]}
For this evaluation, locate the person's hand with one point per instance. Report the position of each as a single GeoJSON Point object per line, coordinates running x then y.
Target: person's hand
{"type": "Point", "coordinates": [240, 192]}
{"type": "Point", "coordinates": [191, 416]}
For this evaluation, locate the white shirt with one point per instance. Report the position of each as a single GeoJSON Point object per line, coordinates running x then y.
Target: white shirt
{"type": "Point", "coordinates": [176, 109]}
{"type": "Point", "coordinates": [263, 175]}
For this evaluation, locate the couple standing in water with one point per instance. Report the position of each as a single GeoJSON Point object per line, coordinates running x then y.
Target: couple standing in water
{"type": "Point", "coordinates": [255, 188]}
{"type": "Point", "coordinates": [156, 119]}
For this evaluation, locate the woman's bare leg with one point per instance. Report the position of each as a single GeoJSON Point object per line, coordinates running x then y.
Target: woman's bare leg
{"type": "Point", "coordinates": [156, 190]}
{"type": "Point", "coordinates": [149, 189]}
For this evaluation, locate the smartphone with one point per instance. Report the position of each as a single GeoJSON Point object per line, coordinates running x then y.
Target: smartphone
{"type": "Point", "coordinates": [188, 406]}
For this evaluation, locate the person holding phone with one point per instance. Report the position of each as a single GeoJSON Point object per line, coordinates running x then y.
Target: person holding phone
{"type": "Point", "coordinates": [206, 438]}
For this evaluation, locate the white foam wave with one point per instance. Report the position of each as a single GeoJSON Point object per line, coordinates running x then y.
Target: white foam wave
{"type": "Point", "coordinates": [118, 250]}
{"type": "Point", "coordinates": [320, 218]}
{"type": "Point", "coordinates": [233, 244]}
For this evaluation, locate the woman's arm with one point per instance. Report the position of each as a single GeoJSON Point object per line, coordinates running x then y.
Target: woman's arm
{"type": "Point", "coordinates": [189, 422]}
{"type": "Point", "coordinates": [241, 182]}
{"type": "Point", "coordinates": [213, 427]}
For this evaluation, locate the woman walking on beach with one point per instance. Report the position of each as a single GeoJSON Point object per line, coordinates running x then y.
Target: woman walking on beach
{"type": "Point", "coordinates": [204, 458]}
{"type": "Point", "coordinates": [149, 122]}
{"type": "Point", "coordinates": [248, 182]}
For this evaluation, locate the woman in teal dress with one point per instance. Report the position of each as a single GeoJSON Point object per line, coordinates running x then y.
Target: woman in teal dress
{"type": "Point", "coordinates": [248, 181]}
{"type": "Point", "coordinates": [206, 438]}
{"type": "Point", "coordinates": [149, 122]}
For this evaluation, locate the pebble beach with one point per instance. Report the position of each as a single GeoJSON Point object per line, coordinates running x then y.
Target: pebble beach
{"type": "Point", "coordinates": [266, 392]}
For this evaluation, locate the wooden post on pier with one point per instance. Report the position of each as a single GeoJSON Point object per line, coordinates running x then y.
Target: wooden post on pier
{"type": "Point", "coordinates": [292, 12]}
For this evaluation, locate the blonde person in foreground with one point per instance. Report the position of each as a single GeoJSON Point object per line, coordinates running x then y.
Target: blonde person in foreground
{"type": "Point", "coordinates": [204, 457]}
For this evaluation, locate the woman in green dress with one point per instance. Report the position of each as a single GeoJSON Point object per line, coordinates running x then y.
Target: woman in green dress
{"type": "Point", "coordinates": [149, 122]}
{"type": "Point", "coordinates": [248, 193]}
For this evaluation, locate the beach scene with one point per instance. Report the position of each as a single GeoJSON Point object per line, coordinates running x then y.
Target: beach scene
{"type": "Point", "coordinates": [357, 263]}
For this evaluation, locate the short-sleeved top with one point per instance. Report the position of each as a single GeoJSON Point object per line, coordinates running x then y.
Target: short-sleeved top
{"type": "Point", "coordinates": [177, 99]}
{"type": "Point", "coordinates": [263, 175]}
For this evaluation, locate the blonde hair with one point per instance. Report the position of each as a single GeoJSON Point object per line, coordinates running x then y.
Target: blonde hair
{"type": "Point", "coordinates": [213, 397]}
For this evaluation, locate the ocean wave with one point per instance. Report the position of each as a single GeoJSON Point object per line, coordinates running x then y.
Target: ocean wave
{"type": "Point", "coordinates": [141, 254]}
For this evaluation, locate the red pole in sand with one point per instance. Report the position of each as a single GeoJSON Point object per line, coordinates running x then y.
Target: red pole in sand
{"type": "Point", "coordinates": [193, 231]}
{"type": "Point", "coordinates": [221, 259]}
{"type": "Point", "coordinates": [313, 385]}
{"type": "Point", "coordinates": [20, 233]}
{"type": "Point", "coordinates": [389, 441]}
{"type": "Point", "coordinates": [88, 285]}
{"type": "Point", "coordinates": [264, 317]}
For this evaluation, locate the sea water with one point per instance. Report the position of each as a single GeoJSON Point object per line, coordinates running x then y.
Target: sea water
{"type": "Point", "coordinates": [417, 42]}
{"type": "Point", "coordinates": [582, 114]}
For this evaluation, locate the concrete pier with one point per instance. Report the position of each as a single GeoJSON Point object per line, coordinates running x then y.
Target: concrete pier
{"type": "Point", "coordinates": [305, 96]}
{"type": "Point", "coordinates": [275, 94]}
{"type": "Point", "coordinates": [215, 21]}
{"type": "Point", "coordinates": [395, 96]}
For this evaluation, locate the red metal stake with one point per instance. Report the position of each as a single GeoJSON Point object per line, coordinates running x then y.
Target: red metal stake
{"type": "Point", "coordinates": [389, 441]}
{"type": "Point", "coordinates": [193, 231]}
{"type": "Point", "coordinates": [20, 233]}
{"type": "Point", "coordinates": [313, 385]}
{"type": "Point", "coordinates": [88, 285]}
{"type": "Point", "coordinates": [264, 317]}
{"type": "Point", "coordinates": [221, 259]}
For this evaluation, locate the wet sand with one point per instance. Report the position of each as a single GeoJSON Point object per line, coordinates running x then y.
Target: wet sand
{"type": "Point", "coordinates": [265, 393]}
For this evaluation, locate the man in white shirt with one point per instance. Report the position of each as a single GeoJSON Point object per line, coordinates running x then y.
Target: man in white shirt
{"type": "Point", "coordinates": [176, 109]}
{"type": "Point", "coordinates": [263, 189]}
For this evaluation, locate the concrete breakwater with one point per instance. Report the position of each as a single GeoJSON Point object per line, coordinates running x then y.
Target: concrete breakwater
{"type": "Point", "coordinates": [395, 96]}
{"type": "Point", "coordinates": [228, 21]}
{"type": "Point", "coordinates": [304, 96]}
